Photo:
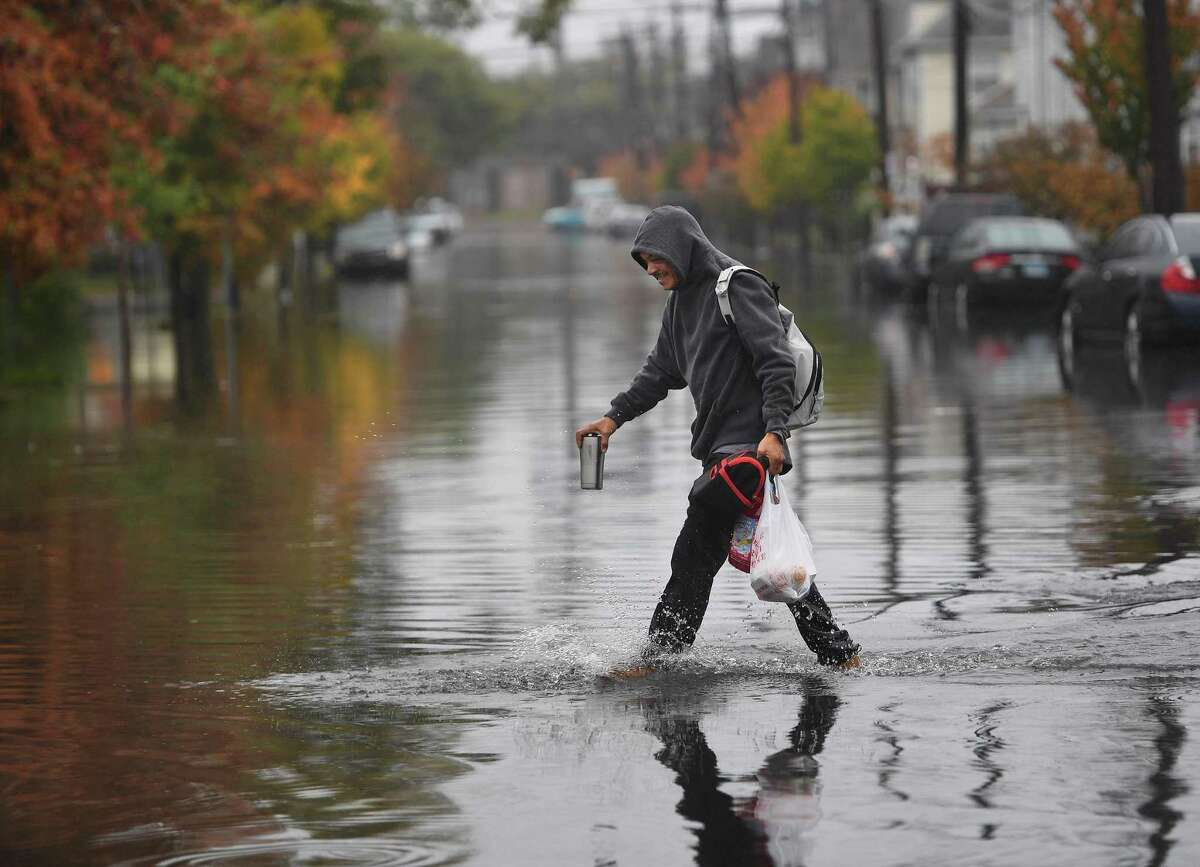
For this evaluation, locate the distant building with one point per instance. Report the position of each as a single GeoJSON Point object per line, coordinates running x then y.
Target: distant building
{"type": "Point", "coordinates": [1045, 97]}
{"type": "Point", "coordinates": [495, 184]}
{"type": "Point", "coordinates": [1014, 81]}
{"type": "Point", "coordinates": [926, 109]}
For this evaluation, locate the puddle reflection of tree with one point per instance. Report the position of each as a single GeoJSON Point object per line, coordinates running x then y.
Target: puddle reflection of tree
{"type": "Point", "coordinates": [768, 828]}
{"type": "Point", "coordinates": [1164, 786]}
{"type": "Point", "coordinates": [973, 483]}
{"type": "Point", "coordinates": [890, 764]}
{"type": "Point", "coordinates": [987, 743]}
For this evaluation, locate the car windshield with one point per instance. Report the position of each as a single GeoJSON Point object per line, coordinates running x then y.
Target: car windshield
{"type": "Point", "coordinates": [945, 217]}
{"type": "Point", "coordinates": [378, 229]}
{"type": "Point", "coordinates": [1187, 234]}
{"type": "Point", "coordinates": [1039, 234]}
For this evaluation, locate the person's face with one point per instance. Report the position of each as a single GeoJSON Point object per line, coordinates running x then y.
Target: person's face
{"type": "Point", "coordinates": [661, 271]}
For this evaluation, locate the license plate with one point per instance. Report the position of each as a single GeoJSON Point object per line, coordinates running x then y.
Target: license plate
{"type": "Point", "coordinates": [1036, 270]}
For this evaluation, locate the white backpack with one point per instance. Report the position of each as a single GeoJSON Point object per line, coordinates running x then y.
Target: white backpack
{"type": "Point", "coordinates": [810, 373]}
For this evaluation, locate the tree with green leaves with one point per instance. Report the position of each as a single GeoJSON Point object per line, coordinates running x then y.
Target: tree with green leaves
{"type": "Point", "coordinates": [441, 100]}
{"type": "Point", "coordinates": [830, 163]}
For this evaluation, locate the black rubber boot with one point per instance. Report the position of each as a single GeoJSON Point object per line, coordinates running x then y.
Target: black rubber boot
{"type": "Point", "coordinates": [832, 644]}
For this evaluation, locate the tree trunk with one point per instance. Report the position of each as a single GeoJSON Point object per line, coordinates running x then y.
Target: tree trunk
{"type": "Point", "coordinates": [124, 279]}
{"type": "Point", "coordinates": [229, 279]}
{"type": "Point", "coordinates": [8, 318]}
{"type": "Point", "coordinates": [1167, 186]}
{"type": "Point", "coordinates": [195, 382]}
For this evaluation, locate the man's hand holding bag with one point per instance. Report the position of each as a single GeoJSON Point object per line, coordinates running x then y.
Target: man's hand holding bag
{"type": "Point", "coordinates": [781, 557]}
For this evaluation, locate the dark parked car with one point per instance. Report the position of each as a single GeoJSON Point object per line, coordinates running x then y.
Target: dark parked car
{"type": "Point", "coordinates": [376, 244]}
{"type": "Point", "coordinates": [940, 219]}
{"type": "Point", "coordinates": [881, 263]}
{"type": "Point", "coordinates": [1143, 287]}
{"type": "Point", "coordinates": [1006, 261]}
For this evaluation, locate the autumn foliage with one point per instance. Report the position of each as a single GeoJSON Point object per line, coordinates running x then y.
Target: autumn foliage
{"type": "Point", "coordinates": [1065, 174]}
{"type": "Point", "coordinates": [78, 84]}
{"type": "Point", "coordinates": [256, 149]}
{"type": "Point", "coordinates": [197, 123]}
{"type": "Point", "coordinates": [1106, 61]}
{"type": "Point", "coordinates": [831, 160]}
{"type": "Point", "coordinates": [766, 161]}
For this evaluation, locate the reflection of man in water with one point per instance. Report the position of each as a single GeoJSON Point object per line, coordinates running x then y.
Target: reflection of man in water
{"type": "Point", "coordinates": [769, 828]}
{"type": "Point", "coordinates": [742, 379]}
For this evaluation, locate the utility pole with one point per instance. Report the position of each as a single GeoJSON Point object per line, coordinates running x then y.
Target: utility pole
{"type": "Point", "coordinates": [827, 31]}
{"type": "Point", "coordinates": [879, 55]}
{"type": "Point", "coordinates": [711, 98]}
{"type": "Point", "coordinates": [633, 100]}
{"type": "Point", "coordinates": [721, 13]}
{"type": "Point", "coordinates": [962, 142]}
{"type": "Point", "coordinates": [654, 128]}
{"type": "Point", "coordinates": [1167, 189]}
{"type": "Point", "coordinates": [679, 74]}
{"type": "Point", "coordinates": [789, 65]}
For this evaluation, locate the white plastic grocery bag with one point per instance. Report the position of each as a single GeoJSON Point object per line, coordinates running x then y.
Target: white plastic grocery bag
{"type": "Point", "coordinates": [781, 559]}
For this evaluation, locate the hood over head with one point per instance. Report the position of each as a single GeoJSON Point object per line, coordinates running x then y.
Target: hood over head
{"type": "Point", "coordinates": [671, 233]}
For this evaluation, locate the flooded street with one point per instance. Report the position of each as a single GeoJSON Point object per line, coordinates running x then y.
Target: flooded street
{"type": "Point", "coordinates": [357, 610]}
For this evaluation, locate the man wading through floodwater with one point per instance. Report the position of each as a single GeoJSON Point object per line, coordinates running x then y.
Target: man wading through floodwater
{"type": "Point", "coordinates": [742, 380]}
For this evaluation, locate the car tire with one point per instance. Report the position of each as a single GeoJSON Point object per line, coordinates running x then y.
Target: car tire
{"type": "Point", "coordinates": [962, 305]}
{"type": "Point", "coordinates": [1134, 337]}
{"type": "Point", "coordinates": [1068, 332]}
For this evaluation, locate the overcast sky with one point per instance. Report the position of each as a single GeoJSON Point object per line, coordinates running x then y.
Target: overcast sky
{"type": "Point", "coordinates": [591, 23]}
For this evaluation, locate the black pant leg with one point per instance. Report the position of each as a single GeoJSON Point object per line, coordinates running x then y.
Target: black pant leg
{"type": "Point", "coordinates": [830, 642]}
{"type": "Point", "coordinates": [700, 551]}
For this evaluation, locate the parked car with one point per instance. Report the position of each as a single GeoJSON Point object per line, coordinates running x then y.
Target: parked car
{"type": "Point", "coordinates": [433, 222]}
{"type": "Point", "coordinates": [624, 219]}
{"type": "Point", "coordinates": [563, 218]}
{"type": "Point", "coordinates": [374, 245]}
{"type": "Point", "coordinates": [1143, 287]}
{"type": "Point", "coordinates": [881, 263]}
{"type": "Point", "coordinates": [1006, 261]}
{"type": "Point", "coordinates": [593, 201]}
{"type": "Point", "coordinates": [940, 219]}
{"type": "Point", "coordinates": [425, 230]}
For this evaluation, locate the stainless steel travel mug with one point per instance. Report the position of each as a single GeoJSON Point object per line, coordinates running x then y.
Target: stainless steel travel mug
{"type": "Point", "coordinates": [591, 463]}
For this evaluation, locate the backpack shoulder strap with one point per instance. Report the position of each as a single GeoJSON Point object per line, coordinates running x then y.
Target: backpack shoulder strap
{"type": "Point", "coordinates": [723, 288]}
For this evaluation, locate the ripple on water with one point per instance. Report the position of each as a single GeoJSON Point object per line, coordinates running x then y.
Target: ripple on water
{"type": "Point", "coordinates": [546, 659]}
{"type": "Point", "coordinates": [366, 852]}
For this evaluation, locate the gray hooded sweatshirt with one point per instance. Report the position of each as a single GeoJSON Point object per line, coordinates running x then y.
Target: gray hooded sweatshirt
{"type": "Point", "coordinates": [742, 376]}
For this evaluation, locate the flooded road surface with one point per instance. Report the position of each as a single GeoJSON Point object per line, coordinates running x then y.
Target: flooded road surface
{"type": "Point", "coordinates": [355, 609]}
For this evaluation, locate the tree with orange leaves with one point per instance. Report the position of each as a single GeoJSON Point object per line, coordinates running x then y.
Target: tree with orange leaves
{"type": "Point", "coordinates": [77, 84]}
{"type": "Point", "coordinates": [1062, 173]}
{"type": "Point", "coordinates": [766, 162]}
{"type": "Point", "coordinates": [831, 161]}
{"type": "Point", "coordinates": [253, 151]}
{"type": "Point", "coordinates": [1106, 61]}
